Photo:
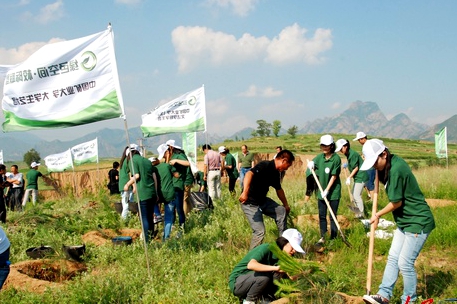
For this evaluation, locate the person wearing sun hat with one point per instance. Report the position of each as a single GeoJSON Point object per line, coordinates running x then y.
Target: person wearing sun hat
{"type": "Point", "coordinates": [353, 164]}
{"type": "Point", "coordinates": [411, 213]}
{"type": "Point", "coordinates": [252, 278]}
{"type": "Point", "coordinates": [32, 183]}
{"type": "Point", "coordinates": [327, 166]}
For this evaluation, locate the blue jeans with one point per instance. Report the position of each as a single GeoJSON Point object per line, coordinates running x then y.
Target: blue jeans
{"type": "Point", "coordinates": [403, 253]}
{"type": "Point", "coordinates": [147, 217]}
{"type": "Point", "coordinates": [176, 204]}
{"type": "Point", "coordinates": [4, 266]}
{"type": "Point", "coordinates": [242, 174]}
{"type": "Point", "coordinates": [254, 214]}
{"type": "Point", "coordinates": [371, 177]}
{"type": "Point", "coordinates": [322, 206]}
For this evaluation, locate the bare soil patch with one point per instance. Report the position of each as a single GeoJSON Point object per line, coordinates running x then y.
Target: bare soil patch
{"type": "Point", "coordinates": [38, 275]}
{"type": "Point", "coordinates": [439, 202]}
{"type": "Point", "coordinates": [102, 236]}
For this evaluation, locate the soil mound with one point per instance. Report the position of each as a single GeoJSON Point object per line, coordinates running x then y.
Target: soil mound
{"type": "Point", "coordinates": [102, 236]}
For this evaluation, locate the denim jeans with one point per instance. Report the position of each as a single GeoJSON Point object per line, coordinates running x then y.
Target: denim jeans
{"type": "Point", "coordinates": [403, 253]}
{"type": "Point", "coordinates": [242, 174]}
{"type": "Point", "coordinates": [126, 197]}
{"type": "Point", "coordinates": [170, 215]}
{"type": "Point", "coordinates": [322, 206]}
{"type": "Point", "coordinates": [4, 266]}
{"type": "Point", "coordinates": [147, 217]}
{"type": "Point", "coordinates": [255, 213]}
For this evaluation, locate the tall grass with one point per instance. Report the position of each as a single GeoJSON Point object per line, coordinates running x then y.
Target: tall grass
{"type": "Point", "coordinates": [195, 268]}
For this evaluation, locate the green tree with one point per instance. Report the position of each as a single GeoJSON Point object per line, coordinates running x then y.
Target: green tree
{"type": "Point", "coordinates": [31, 156]}
{"type": "Point", "coordinates": [292, 131]}
{"type": "Point", "coordinates": [276, 127]}
{"type": "Point", "coordinates": [253, 133]}
{"type": "Point", "coordinates": [264, 128]}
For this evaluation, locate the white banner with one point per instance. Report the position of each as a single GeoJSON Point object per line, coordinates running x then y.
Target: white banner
{"type": "Point", "coordinates": [59, 162]}
{"type": "Point", "coordinates": [187, 113]}
{"type": "Point", "coordinates": [1, 157]}
{"type": "Point", "coordinates": [85, 153]}
{"type": "Point", "coordinates": [441, 143]}
{"type": "Point", "coordinates": [63, 84]}
{"type": "Point", "coordinates": [189, 144]}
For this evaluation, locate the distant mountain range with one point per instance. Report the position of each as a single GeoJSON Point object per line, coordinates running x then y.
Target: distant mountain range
{"type": "Point", "coordinates": [360, 116]}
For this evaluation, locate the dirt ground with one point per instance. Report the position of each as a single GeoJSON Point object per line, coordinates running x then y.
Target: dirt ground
{"type": "Point", "coordinates": [103, 236]}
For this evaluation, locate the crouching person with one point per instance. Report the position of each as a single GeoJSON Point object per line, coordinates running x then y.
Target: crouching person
{"type": "Point", "coordinates": [252, 278]}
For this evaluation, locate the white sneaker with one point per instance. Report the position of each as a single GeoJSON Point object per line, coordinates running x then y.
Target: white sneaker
{"type": "Point", "coordinates": [248, 302]}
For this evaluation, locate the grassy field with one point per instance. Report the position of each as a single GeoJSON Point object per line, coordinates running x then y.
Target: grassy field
{"type": "Point", "coordinates": [195, 268]}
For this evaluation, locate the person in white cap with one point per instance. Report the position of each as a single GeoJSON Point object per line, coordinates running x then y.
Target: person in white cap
{"type": "Point", "coordinates": [180, 164]}
{"type": "Point", "coordinates": [369, 185]}
{"type": "Point", "coordinates": [252, 278]}
{"type": "Point", "coordinates": [411, 213]}
{"type": "Point", "coordinates": [32, 183]}
{"type": "Point", "coordinates": [146, 182]}
{"type": "Point", "coordinates": [167, 190]}
{"type": "Point", "coordinates": [229, 165]}
{"type": "Point", "coordinates": [327, 166]}
{"type": "Point", "coordinates": [353, 164]}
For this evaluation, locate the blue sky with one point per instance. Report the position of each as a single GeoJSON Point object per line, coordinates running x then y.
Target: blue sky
{"type": "Point", "coordinates": [295, 61]}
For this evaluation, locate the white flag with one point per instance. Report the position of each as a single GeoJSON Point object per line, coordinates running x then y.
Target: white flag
{"type": "Point", "coordinates": [187, 113]}
{"type": "Point", "coordinates": [441, 143]}
{"type": "Point", "coordinates": [1, 157]}
{"type": "Point", "coordinates": [189, 144]}
{"type": "Point", "coordinates": [59, 162]}
{"type": "Point", "coordinates": [85, 153]}
{"type": "Point", "coordinates": [63, 84]}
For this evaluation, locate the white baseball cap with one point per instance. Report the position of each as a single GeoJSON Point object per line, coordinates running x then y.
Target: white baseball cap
{"type": "Point", "coordinates": [221, 149]}
{"type": "Point", "coordinates": [371, 150]}
{"type": "Point", "coordinates": [359, 135]}
{"type": "Point", "coordinates": [295, 238]}
{"type": "Point", "coordinates": [162, 149]}
{"type": "Point", "coordinates": [152, 159]}
{"type": "Point", "coordinates": [132, 147]}
{"type": "Point", "coordinates": [340, 143]}
{"type": "Point", "coordinates": [171, 143]}
{"type": "Point", "coordinates": [34, 164]}
{"type": "Point", "coordinates": [326, 140]}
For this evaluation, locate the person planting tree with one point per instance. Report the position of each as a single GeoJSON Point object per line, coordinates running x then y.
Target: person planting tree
{"type": "Point", "coordinates": [412, 214]}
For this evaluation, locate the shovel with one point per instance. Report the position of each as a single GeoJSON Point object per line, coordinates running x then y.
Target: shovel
{"type": "Point", "coordinates": [345, 241]}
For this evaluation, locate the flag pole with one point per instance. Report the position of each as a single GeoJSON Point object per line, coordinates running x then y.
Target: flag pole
{"type": "Point", "coordinates": [137, 198]}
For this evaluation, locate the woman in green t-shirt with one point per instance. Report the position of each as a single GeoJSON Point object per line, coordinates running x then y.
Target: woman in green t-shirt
{"type": "Point", "coordinates": [411, 213]}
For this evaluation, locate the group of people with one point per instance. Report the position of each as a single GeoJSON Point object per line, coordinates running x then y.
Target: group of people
{"type": "Point", "coordinates": [412, 214]}
{"type": "Point", "coordinates": [14, 194]}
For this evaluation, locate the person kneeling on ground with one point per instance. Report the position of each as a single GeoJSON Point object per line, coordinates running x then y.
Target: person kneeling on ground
{"type": "Point", "coordinates": [252, 278]}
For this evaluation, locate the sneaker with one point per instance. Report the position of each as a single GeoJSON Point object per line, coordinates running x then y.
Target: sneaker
{"type": "Point", "coordinates": [157, 219]}
{"type": "Point", "coordinates": [319, 246]}
{"type": "Point", "coordinates": [375, 299]}
{"type": "Point", "coordinates": [248, 302]}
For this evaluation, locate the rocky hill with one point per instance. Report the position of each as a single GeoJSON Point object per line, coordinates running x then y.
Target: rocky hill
{"type": "Point", "coordinates": [366, 117]}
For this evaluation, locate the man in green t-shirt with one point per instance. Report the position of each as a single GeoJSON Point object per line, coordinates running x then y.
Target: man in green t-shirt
{"type": "Point", "coordinates": [32, 183]}
{"type": "Point", "coordinates": [245, 163]}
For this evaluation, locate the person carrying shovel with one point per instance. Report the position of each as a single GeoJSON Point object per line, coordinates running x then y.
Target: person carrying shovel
{"type": "Point", "coordinates": [354, 161]}
{"type": "Point", "coordinates": [411, 213]}
{"type": "Point", "coordinates": [327, 166]}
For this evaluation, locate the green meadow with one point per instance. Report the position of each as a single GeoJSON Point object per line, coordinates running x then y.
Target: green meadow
{"type": "Point", "coordinates": [195, 267]}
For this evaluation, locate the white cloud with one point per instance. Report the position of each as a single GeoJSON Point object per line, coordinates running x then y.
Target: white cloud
{"type": "Point", "coordinates": [195, 46]}
{"type": "Point", "coordinates": [48, 13]}
{"type": "Point", "coordinates": [17, 55]}
{"type": "Point", "coordinates": [239, 7]}
{"type": "Point", "coordinates": [254, 91]}
{"type": "Point", "coordinates": [292, 46]}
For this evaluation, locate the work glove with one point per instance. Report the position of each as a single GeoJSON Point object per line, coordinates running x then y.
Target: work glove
{"type": "Point", "coordinates": [324, 193]}
{"type": "Point", "coordinates": [345, 165]}
{"type": "Point", "coordinates": [348, 181]}
{"type": "Point", "coordinates": [311, 165]}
